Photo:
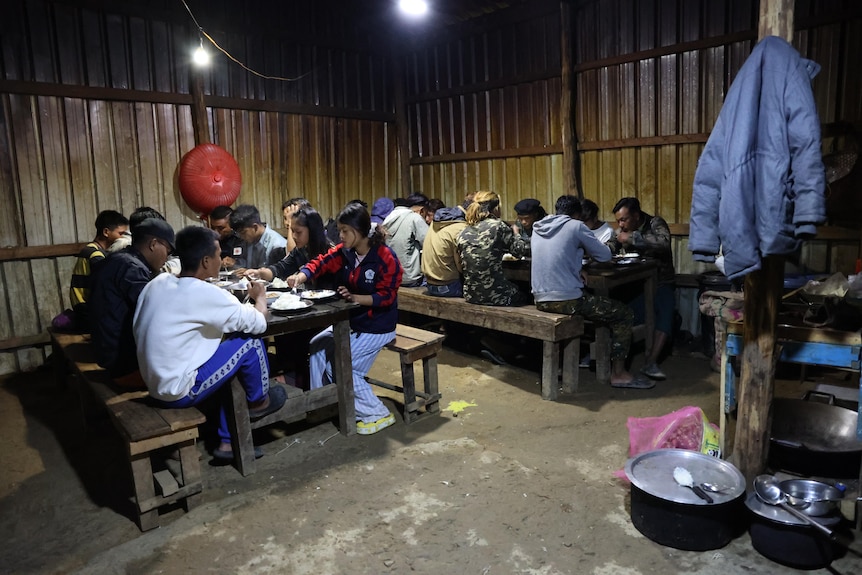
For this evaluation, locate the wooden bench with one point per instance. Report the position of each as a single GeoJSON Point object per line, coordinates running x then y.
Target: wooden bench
{"type": "Point", "coordinates": [559, 333]}
{"type": "Point", "coordinates": [413, 344]}
{"type": "Point", "coordinates": [144, 427]}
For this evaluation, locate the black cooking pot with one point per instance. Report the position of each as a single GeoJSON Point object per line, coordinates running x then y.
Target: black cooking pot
{"type": "Point", "coordinates": [813, 438]}
{"type": "Point", "coordinates": [675, 516]}
{"type": "Point", "coordinates": [781, 537]}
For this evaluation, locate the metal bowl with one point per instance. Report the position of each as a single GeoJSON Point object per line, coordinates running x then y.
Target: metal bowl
{"type": "Point", "coordinates": [811, 497]}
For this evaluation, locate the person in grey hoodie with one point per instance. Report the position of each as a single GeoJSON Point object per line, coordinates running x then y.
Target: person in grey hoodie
{"type": "Point", "coordinates": [559, 245]}
{"type": "Point", "coordinates": [405, 233]}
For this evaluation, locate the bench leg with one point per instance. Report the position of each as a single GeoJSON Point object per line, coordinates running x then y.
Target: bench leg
{"type": "Point", "coordinates": [190, 467]}
{"type": "Point", "coordinates": [429, 372]}
{"type": "Point", "coordinates": [408, 381]}
{"type": "Point", "coordinates": [145, 490]}
{"type": "Point", "coordinates": [550, 370]}
{"type": "Point", "coordinates": [239, 425]}
{"type": "Point", "coordinates": [571, 359]}
{"type": "Point", "coordinates": [603, 355]}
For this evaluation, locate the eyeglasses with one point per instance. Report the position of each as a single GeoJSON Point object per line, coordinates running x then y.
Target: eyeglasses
{"type": "Point", "coordinates": [168, 247]}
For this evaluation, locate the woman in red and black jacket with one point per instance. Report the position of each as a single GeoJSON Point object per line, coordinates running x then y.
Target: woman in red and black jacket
{"type": "Point", "coordinates": [369, 274]}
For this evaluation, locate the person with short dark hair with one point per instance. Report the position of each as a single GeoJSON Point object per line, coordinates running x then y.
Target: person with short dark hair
{"type": "Point", "coordinates": [210, 327]}
{"type": "Point", "coordinates": [289, 208]}
{"type": "Point", "coordinates": [431, 208]}
{"type": "Point", "coordinates": [118, 281]}
{"type": "Point", "coordinates": [560, 243]}
{"type": "Point", "coordinates": [231, 244]}
{"type": "Point", "coordinates": [590, 216]}
{"type": "Point", "coordinates": [263, 245]}
{"type": "Point", "coordinates": [370, 275]}
{"type": "Point", "coordinates": [405, 231]}
{"type": "Point", "coordinates": [110, 226]}
{"type": "Point", "coordinates": [649, 236]}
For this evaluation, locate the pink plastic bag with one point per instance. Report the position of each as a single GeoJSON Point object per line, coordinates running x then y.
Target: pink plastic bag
{"type": "Point", "coordinates": [686, 428]}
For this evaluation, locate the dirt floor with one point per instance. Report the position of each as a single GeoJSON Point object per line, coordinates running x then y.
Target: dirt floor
{"type": "Point", "coordinates": [511, 484]}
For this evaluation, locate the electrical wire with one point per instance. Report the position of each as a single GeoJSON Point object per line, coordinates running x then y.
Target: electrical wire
{"type": "Point", "coordinates": [203, 33]}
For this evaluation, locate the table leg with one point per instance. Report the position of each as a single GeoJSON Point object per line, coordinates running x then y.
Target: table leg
{"type": "Point", "coordinates": [603, 355]}
{"type": "Point", "coordinates": [342, 368]}
{"type": "Point", "coordinates": [649, 310]}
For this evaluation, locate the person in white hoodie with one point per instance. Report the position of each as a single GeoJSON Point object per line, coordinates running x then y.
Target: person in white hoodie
{"type": "Point", "coordinates": [559, 244]}
{"type": "Point", "coordinates": [405, 233]}
{"type": "Point", "coordinates": [180, 326]}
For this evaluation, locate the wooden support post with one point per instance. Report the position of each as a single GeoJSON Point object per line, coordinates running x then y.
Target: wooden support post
{"type": "Point", "coordinates": [763, 290]}
{"type": "Point", "coordinates": [401, 121]}
{"type": "Point", "coordinates": [570, 153]}
{"type": "Point", "coordinates": [200, 120]}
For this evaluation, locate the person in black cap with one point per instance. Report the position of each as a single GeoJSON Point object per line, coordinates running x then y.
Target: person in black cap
{"type": "Point", "coordinates": [529, 211]}
{"type": "Point", "coordinates": [117, 282]}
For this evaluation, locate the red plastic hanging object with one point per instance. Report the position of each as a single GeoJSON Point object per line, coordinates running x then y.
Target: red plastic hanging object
{"type": "Point", "coordinates": [209, 177]}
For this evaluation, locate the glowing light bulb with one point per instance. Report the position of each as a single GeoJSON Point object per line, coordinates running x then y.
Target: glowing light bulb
{"type": "Point", "coordinates": [201, 57]}
{"type": "Point", "coordinates": [413, 7]}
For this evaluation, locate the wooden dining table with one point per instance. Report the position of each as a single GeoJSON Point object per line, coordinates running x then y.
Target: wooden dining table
{"type": "Point", "coordinates": [602, 278]}
{"type": "Point", "coordinates": [299, 403]}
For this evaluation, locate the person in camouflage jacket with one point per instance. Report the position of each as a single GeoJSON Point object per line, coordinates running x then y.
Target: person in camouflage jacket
{"type": "Point", "coordinates": [482, 245]}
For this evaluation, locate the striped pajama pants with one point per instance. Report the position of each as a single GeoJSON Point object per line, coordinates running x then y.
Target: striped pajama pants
{"type": "Point", "coordinates": [239, 356]}
{"type": "Point", "coordinates": [364, 348]}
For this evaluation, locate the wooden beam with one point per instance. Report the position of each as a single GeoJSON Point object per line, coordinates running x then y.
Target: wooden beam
{"type": "Point", "coordinates": [403, 130]}
{"type": "Point", "coordinates": [152, 97]}
{"type": "Point", "coordinates": [13, 343]}
{"type": "Point", "coordinates": [571, 173]}
{"type": "Point", "coordinates": [642, 142]}
{"type": "Point", "coordinates": [489, 155]}
{"type": "Point", "coordinates": [37, 252]}
{"type": "Point", "coordinates": [763, 291]}
{"type": "Point", "coordinates": [200, 119]}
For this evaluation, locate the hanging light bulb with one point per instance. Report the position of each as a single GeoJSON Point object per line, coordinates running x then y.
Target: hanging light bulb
{"type": "Point", "coordinates": [201, 57]}
{"type": "Point", "coordinates": [413, 7]}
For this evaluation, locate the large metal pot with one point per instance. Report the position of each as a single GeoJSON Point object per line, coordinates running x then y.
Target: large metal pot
{"type": "Point", "coordinates": [781, 537]}
{"type": "Point", "coordinates": [673, 515]}
{"type": "Point", "coordinates": [812, 438]}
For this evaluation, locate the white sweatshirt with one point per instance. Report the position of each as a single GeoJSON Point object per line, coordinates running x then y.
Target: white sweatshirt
{"type": "Point", "coordinates": [179, 323]}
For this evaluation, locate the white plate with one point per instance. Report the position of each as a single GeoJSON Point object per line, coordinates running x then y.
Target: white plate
{"type": "Point", "coordinates": [318, 294]}
{"type": "Point", "coordinates": [301, 306]}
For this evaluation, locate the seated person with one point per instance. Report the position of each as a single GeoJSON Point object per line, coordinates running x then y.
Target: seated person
{"type": "Point", "coordinates": [110, 226]}
{"type": "Point", "coordinates": [310, 241]}
{"type": "Point", "coordinates": [590, 216]}
{"type": "Point", "coordinates": [481, 245]}
{"type": "Point", "coordinates": [441, 262]}
{"type": "Point", "coordinates": [431, 208]}
{"type": "Point", "coordinates": [263, 245]}
{"type": "Point", "coordinates": [289, 208]}
{"type": "Point", "coordinates": [405, 231]}
{"type": "Point", "coordinates": [210, 327]}
{"type": "Point", "coordinates": [529, 211]}
{"type": "Point", "coordinates": [231, 244]}
{"type": "Point", "coordinates": [559, 245]}
{"type": "Point", "coordinates": [369, 274]}
{"type": "Point", "coordinates": [648, 236]}
{"type": "Point", "coordinates": [118, 280]}
{"type": "Point", "coordinates": [172, 266]}
{"type": "Point", "coordinates": [382, 208]}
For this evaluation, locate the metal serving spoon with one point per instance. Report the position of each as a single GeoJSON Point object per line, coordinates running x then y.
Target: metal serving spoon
{"type": "Point", "coordinates": [712, 487]}
{"type": "Point", "coordinates": [769, 491]}
{"type": "Point", "coordinates": [683, 477]}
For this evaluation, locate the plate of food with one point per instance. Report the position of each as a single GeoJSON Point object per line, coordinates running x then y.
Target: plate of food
{"type": "Point", "coordinates": [288, 303]}
{"type": "Point", "coordinates": [318, 294]}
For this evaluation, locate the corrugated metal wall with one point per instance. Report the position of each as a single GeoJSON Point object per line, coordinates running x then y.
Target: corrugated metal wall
{"type": "Point", "coordinates": [96, 115]}
{"type": "Point", "coordinates": [650, 79]}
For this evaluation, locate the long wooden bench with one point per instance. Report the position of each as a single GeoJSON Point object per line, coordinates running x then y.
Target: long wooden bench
{"type": "Point", "coordinates": [144, 427]}
{"type": "Point", "coordinates": [559, 333]}
{"type": "Point", "coordinates": [413, 344]}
